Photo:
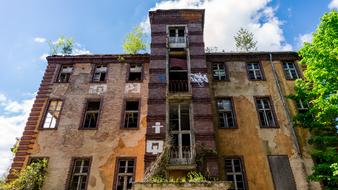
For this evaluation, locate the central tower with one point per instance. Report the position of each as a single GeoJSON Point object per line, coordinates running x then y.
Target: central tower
{"type": "Point", "coordinates": [179, 104]}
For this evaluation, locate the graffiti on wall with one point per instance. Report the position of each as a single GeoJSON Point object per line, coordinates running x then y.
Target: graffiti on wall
{"type": "Point", "coordinates": [157, 127]}
{"type": "Point", "coordinates": [154, 146]}
{"type": "Point", "coordinates": [98, 89]}
{"type": "Point", "coordinates": [132, 88]}
{"type": "Point", "coordinates": [199, 78]}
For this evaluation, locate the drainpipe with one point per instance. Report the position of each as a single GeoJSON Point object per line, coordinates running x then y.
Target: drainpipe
{"type": "Point", "coordinates": [288, 114]}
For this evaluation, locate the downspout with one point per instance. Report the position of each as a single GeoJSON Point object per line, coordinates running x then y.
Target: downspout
{"type": "Point", "coordinates": [288, 114]}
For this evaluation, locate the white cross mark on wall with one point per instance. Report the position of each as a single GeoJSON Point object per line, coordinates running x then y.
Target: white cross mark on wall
{"type": "Point", "coordinates": [157, 127]}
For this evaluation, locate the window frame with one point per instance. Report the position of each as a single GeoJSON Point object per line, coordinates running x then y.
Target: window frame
{"type": "Point", "coordinates": [116, 172]}
{"type": "Point", "coordinates": [93, 73]}
{"type": "Point", "coordinates": [128, 73]}
{"type": "Point", "coordinates": [303, 108]}
{"type": "Point", "coordinates": [233, 112]}
{"type": "Point", "coordinates": [85, 110]}
{"type": "Point", "coordinates": [272, 109]}
{"type": "Point", "coordinates": [71, 168]}
{"type": "Point", "coordinates": [227, 76]}
{"type": "Point", "coordinates": [241, 158]}
{"type": "Point", "coordinates": [296, 69]}
{"type": "Point", "coordinates": [59, 73]}
{"type": "Point", "coordinates": [260, 68]}
{"type": "Point", "coordinates": [124, 113]}
{"type": "Point", "coordinates": [43, 118]}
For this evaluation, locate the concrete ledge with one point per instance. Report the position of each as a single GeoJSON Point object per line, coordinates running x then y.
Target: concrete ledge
{"type": "Point", "coordinates": [207, 185]}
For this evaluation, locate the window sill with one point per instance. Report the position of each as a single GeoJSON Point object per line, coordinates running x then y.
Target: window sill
{"type": "Point", "coordinates": [123, 128]}
{"type": "Point", "coordinates": [90, 129]}
{"type": "Point", "coordinates": [269, 127]}
{"type": "Point", "coordinates": [47, 129]}
{"type": "Point", "coordinates": [134, 81]}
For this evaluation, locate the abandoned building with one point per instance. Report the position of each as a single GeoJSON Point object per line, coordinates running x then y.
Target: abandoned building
{"type": "Point", "coordinates": [102, 120]}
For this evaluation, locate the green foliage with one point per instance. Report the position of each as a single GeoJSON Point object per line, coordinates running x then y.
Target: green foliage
{"type": "Point", "coordinates": [320, 90]}
{"type": "Point", "coordinates": [334, 168]}
{"type": "Point", "coordinates": [158, 179]}
{"type": "Point", "coordinates": [61, 46]}
{"type": "Point", "coordinates": [134, 41]}
{"type": "Point", "coordinates": [30, 178]}
{"type": "Point", "coordinates": [244, 40]}
{"type": "Point", "coordinates": [194, 176]}
{"type": "Point", "coordinates": [14, 149]}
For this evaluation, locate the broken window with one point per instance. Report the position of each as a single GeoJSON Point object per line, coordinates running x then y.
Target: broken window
{"type": "Point", "coordinates": [226, 113]}
{"type": "Point", "coordinates": [290, 71]}
{"type": "Point", "coordinates": [301, 106]}
{"type": "Point", "coordinates": [125, 174]}
{"type": "Point", "coordinates": [131, 114]}
{"type": "Point", "coordinates": [65, 72]}
{"type": "Point", "coordinates": [254, 71]}
{"type": "Point", "coordinates": [135, 72]}
{"type": "Point", "coordinates": [234, 172]}
{"type": "Point", "coordinates": [219, 71]}
{"type": "Point", "coordinates": [179, 121]}
{"type": "Point", "coordinates": [100, 73]}
{"type": "Point", "coordinates": [91, 114]}
{"type": "Point", "coordinates": [80, 174]}
{"type": "Point", "coordinates": [265, 112]}
{"type": "Point", "coordinates": [52, 114]}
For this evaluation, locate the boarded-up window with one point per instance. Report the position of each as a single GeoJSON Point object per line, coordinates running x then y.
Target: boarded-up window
{"type": "Point", "coordinates": [281, 173]}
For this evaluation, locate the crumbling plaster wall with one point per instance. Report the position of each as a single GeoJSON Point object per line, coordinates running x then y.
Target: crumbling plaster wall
{"type": "Point", "coordinates": [102, 144]}
{"type": "Point", "coordinates": [249, 140]}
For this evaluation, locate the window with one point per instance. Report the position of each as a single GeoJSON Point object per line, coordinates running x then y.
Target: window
{"type": "Point", "coordinates": [131, 114]}
{"type": "Point", "coordinates": [80, 174]}
{"type": "Point", "coordinates": [125, 174]}
{"type": "Point", "coordinates": [91, 114]}
{"type": "Point", "coordinates": [100, 73]}
{"type": "Point", "coordinates": [301, 106]}
{"type": "Point", "coordinates": [65, 72]}
{"type": "Point", "coordinates": [254, 71]}
{"type": "Point", "coordinates": [225, 113]}
{"type": "Point", "coordinates": [52, 114]}
{"type": "Point", "coordinates": [281, 171]}
{"type": "Point", "coordinates": [176, 31]}
{"type": "Point", "coordinates": [219, 71]}
{"type": "Point", "coordinates": [290, 71]}
{"type": "Point", "coordinates": [135, 72]}
{"type": "Point", "coordinates": [234, 172]}
{"type": "Point", "coordinates": [265, 112]}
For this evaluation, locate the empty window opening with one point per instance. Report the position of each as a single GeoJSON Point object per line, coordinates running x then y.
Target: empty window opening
{"type": "Point", "coordinates": [177, 34]}
{"type": "Point", "coordinates": [91, 114]}
{"type": "Point", "coordinates": [135, 72]}
{"type": "Point", "coordinates": [226, 113]}
{"type": "Point", "coordinates": [254, 71]}
{"type": "Point", "coordinates": [265, 112]}
{"type": "Point", "coordinates": [179, 126]}
{"type": "Point", "coordinates": [219, 71]}
{"type": "Point", "coordinates": [80, 174]}
{"type": "Point", "coordinates": [290, 71]}
{"type": "Point", "coordinates": [125, 174]}
{"type": "Point", "coordinates": [100, 73]}
{"type": "Point", "coordinates": [65, 72]}
{"type": "Point", "coordinates": [302, 106]}
{"type": "Point", "coordinates": [52, 114]}
{"type": "Point", "coordinates": [235, 173]}
{"type": "Point", "coordinates": [178, 73]}
{"type": "Point", "coordinates": [131, 114]}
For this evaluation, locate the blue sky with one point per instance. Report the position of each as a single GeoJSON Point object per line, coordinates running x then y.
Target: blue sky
{"type": "Point", "coordinates": [100, 26]}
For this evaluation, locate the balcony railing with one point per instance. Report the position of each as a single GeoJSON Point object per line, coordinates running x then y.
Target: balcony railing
{"type": "Point", "coordinates": [178, 86]}
{"type": "Point", "coordinates": [177, 42]}
{"type": "Point", "coordinates": [181, 155]}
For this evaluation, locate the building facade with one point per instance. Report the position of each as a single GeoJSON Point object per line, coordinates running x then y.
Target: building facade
{"type": "Point", "coordinates": [102, 120]}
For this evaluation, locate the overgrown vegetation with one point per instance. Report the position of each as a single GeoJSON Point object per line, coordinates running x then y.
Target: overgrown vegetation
{"type": "Point", "coordinates": [244, 40]}
{"type": "Point", "coordinates": [192, 177]}
{"type": "Point", "coordinates": [134, 41]}
{"type": "Point", "coordinates": [62, 45]}
{"type": "Point", "coordinates": [320, 90]}
{"type": "Point", "coordinates": [31, 177]}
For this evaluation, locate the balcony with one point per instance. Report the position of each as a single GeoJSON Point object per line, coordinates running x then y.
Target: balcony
{"type": "Point", "coordinates": [177, 42]}
{"type": "Point", "coordinates": [181, 155]}
{"type": "Point", "coordinates": [176, 86]}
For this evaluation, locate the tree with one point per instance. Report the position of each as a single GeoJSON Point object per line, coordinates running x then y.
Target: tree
{"type": "Point", "coordinates": [245, 40]}
{"type": "Point", "coordinates": [61, 46]}
{"type": "Point", "coordinates": [320, 90]}
{"type": "Point", "coordinates": [134, 41]}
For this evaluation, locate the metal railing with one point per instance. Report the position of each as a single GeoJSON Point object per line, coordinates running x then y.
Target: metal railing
{"type": "Point", "coordinates": [178, 40]}
{"type": "Point", "coordinates": [178, 86]}
{"type": "Point", "coordinates": [181, 155]}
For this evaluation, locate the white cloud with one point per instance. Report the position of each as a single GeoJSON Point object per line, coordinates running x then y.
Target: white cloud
{"type": "Point", "coordinates": [40, 40]}
{"type": "Point", "coordinates": [304, 38]}
{"type": "Point", "coordinates": [333, 4]}
{"type": "Point", "coordinates": [225, 17]}
{"type": "Point", "coordinates": [43, 56]}
{"type": "Point", "coordinates": [78, 49]}
{"type": "Point", "coordinates": [13, 116]}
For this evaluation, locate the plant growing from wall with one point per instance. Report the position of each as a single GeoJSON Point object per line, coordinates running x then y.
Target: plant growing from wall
{"type": "Point", "coordinates": [320, 90]}
{"type": "Point", "coordinates": [244, 40]}
{"type": "Point", "coordinates": [134, 41]}
{"type": "Point", "coordinates": [62, 45]}
{"type": "Point", "coordinates": [31, 177]}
